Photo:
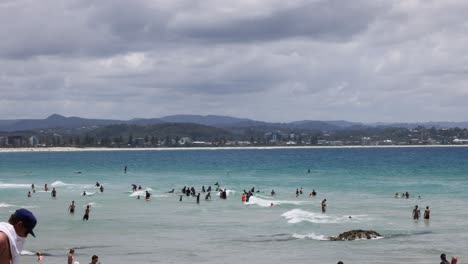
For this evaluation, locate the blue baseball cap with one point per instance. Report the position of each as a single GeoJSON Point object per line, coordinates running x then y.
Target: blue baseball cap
{"type": "Point", "coordinates": [28, 219]}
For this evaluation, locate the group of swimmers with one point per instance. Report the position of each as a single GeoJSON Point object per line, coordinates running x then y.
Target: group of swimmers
{"type": "Point", "coordinates": [46, 189]}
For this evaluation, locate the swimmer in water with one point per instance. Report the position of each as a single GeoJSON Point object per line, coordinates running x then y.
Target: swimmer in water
{"type": "Point", "coordinates": [29, 194]}
{"type": "Point", "coordinates": [416, 213]}
{"type": "Point", "coordinates": [40, 257]}
{"type": "Point", "coordinates": [71, 208]}
{"type": "Point", "coordinates": [70, 256]}
{"type": "Point", "coordinates": [427, 213]}
{"type": "Point", "coordinates": [147, 196]}
{"type": "Point", "coordinates": [84, 193]}
{"type": "Point", "coordinates": [54, 193]}
{"type": "Point", "coordinates": [86, 215]}
{"type": "Point", "coordinates": [101, 188]}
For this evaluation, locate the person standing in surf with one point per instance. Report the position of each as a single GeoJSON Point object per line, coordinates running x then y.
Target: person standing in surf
{"type": "Point", "coordinates": [54, 193]}
{"type": "Point", "coordinates": [71, 208]}
{"type": "Point", "coordinates": [427, 213]}
{"type": "Point", "coordinates": [416, 213]}
{"type": "Point", "coordinates": [86, 215]}
{"type": "Point", "coordinates": [324, 205]}
{"type": "Point", "coordinates": [70, 256]}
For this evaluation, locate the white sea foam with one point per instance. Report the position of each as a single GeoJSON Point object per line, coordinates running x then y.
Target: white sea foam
{"type": "Point", "coordinates": [4, 205]}
{"type": "Point", "coordinates": [140, 192]}
{"type": "Point", "coordinates": [59, 184]}
{"type": "Point", "coordinates": [228, 192]}
{"type": "Point", "coordinates": [297, 215]}
{"type": "Point", "coordinates": [311, 236]}
{"type": "Point", "coordinates": [28, 253]}
{"type": "Point", "coordinates": [14, 185]}
{"type": "Point", "coordinates": [254, 200]}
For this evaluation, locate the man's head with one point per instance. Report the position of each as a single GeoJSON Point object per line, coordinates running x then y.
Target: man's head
{"type": "Point", "coordinates": [443, 257]}
{"type": "Point", "coordinates": [24, 222]}
{"type": "Point", "coordinates": [94, 259]}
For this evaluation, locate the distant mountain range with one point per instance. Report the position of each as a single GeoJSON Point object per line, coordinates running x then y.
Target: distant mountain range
{"type": "Point", "coordinates": [232, 123]}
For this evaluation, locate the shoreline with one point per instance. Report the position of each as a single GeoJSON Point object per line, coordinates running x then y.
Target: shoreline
{"type": "Point", "coordinates": [73, 149]}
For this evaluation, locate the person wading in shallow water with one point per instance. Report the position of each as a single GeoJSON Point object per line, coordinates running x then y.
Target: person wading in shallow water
{"type": "Point", "coordinates": [324, 205]}
{"type": "Point", "coordinates": [427, 213]}
{"type": "Point", "coordinates": [416, 213]}
{"type": "Point", "coordinates": [86, 215]}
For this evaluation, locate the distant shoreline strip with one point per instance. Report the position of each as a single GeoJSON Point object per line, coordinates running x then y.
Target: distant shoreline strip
{"type": "Point", "coordinates": [70, 149]}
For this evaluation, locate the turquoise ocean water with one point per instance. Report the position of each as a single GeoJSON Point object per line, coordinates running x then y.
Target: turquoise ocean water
{"type": "Point", "coordinates": [357, 182]}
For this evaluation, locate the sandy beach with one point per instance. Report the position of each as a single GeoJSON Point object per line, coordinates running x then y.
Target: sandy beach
{"type": "Point", "coordinates": [69, 149]}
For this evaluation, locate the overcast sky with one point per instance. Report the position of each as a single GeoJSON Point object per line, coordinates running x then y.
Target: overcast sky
{"type": "Point", "coordinates": [269, 60]}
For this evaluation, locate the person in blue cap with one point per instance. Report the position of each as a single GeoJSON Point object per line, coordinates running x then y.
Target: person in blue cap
{"type": "Point", "coordinates": [13, 235]}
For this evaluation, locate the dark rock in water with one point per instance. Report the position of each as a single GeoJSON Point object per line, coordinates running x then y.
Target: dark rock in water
{"type": "Point", "coordinates": [356, 234]}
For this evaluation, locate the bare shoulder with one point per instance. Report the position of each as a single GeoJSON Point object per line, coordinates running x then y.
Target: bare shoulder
{"type": "Point", "coordinates": [3, 238]}
{"type": "Point", "coordinates": [4, 248]}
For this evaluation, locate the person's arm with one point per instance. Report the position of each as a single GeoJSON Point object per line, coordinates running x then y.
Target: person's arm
{"type": "Point", "coordinates": [70, 259]}
{"type": "Point", "coordinates": [5, 254]}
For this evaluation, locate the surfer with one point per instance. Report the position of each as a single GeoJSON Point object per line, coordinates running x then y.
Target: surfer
{"type": "Point", "coordinates": [308, 171]}
{"type": "Point", "coordinates": [139, 187]}
{"type": "Point", "coordinates": [71, 208]}
{"type": "Point", "coordinates": [427, 213]}
{"type": "Point", "coordinates": [54, 193]}
{"type": "Point", "coordinates": [97, 184]}
{"type": "Point", "coordinates": [101, 188]}
{"type": "Point", "coordinates": [84, 193]}
{"type": "Point", "coordinates": [324, 205]}
{"type": "Point", "coordinates": [208, 196]}
{"type": "Point", "coordinates": [33, 188]}
{"type": "Point", "coordinates": [134, 187]}
{"type": "Point", "coordinates": [46, 188]}
{"type": "Point", "coordinates": [209, 188]}
{"type": "Point", "coordinates": [203, 189]}
{"type": "Point", "coordinates": [86, 215]}
{"type": "Point", "coordinates": [273, 193]}
{"type": "Point", "coordinates": [180, 198]}
{"type": "Point", "coordinates": [125, 169]}
{"type": "Point", "coordinates": [148, 196]}
{"type": "Point", "coordinates": [416, 213]}
{"type": "Point", "coordinates": [29, 194]}
{"type": "Point", "coordinates": [297, 192]}
{"type": "Point", "coordinates": [198, 198]}
{"type": "Point", "coordinates": [300, 191]}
